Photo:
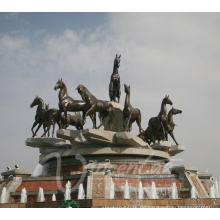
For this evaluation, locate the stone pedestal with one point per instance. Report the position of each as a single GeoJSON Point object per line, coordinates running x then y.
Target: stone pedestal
{"type": "Point", "coordinates": [176, 149]}
{"type": "Point", "coordinates": [103, 159]}
{"type": "Point", "coordinates": [117, 121]}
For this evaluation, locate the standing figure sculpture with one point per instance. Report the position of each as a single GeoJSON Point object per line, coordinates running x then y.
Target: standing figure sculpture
{"type": "Point", "coordinates": [130, 114]}
{"type": "Point", "coordinates": [159, 122]}
{"type": "Point", "coordinates": [45, 117]}
{"type": "Point", "coordinates": [114, 85]}
{"type": "Point", "coordinates": [105, 108]}
{"type": "Point", "coordinates": [66, 103]}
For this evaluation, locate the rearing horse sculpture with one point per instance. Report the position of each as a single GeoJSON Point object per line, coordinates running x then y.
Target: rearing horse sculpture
{"type": "Point", "coordinates": [66, 103]}
{"type": "Point", "coordinates": [105, 108]}
{"type": "Point", "coordinates": [114, 85]}
{"type": "Point", "coordinates": [129, 113]}
{"type": "Point", "coordinates": [159, 122]}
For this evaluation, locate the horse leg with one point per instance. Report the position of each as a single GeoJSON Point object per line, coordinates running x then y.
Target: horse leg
{"type": "Point", "coordinates": [172, 135]}
{"type": "Point", "coordinates": [32, 129]}
{"type": "Point", "coordinates": [59, 124]}
{"type": "Point", "coordinates": [151, 134]}
{"type": "Point", "coordinates": [101, 117]}
{"type": "Point", "coordinates": [127, 127]}
{"type": "Point", "coordinates": [89, 112]}
{"type": "Point", "coordinates": [111, 116]}
{"type": "Point", "coordinates": [138, 121]}
{"type": "Point", "coordinates": [130, 125]}
{"type": "Point", "coordinates": [124, 121]}
{"type": "Point", "coordinates": [53, 130]}
{"type": "Point", "coordinates": [45, 127]}
{"type": "Point", "coordinates": [48, 133]}
{"type": "Point", "coordinates": [118, 95]}
{"type": "Point", "coordinates": [65, 116]}
{"type": "Point", "coordinates": [48, 128]}
{"type": "Point", "coordinates": [94, 121]}
{"type": "Point", "coordinates": [35, 134]}
{"type": "Point", "coordinates": [163, 130]}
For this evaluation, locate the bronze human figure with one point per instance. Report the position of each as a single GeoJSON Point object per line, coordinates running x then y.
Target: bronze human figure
{"type": "Point", "coordinates": [66, 103]}
{"type": "Point", "coordinates": [159, 122]}
{"type": "Point", "coordinates": [130, 114]}
{"type": "Point", "coordinates": [43, 116]}
{"type": "Point", "coordinates": [105, 108]}
{"type": "Point", "coordinates": [73, 120]}
{"type": "Point", "coordinates": [114, 85]}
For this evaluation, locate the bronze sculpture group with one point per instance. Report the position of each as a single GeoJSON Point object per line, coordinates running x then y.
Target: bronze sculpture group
{"type": "Point", "coordinates": [158, 127]}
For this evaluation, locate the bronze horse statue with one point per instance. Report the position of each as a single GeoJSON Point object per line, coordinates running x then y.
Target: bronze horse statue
{"type": "Point", "coordinates": [44, 125]}
{"type": "Point", "coordinates": [66, 103]}
{"type": "Point", "coordinates": [130, 114]}
{"type": "Point", "coordinates": [169, 128]}
{"type": "Point", "coordinates": [114, 85]}
{"type": "Point", "coordinates": [46, 117]}
{"type": "Point", "coordinates": [159, 122]}
{"type": "Point", "coordinates": [105, 108]}
{"type": "Point", "coordinates": [171, 124]}
{"type": "Point", "coordinates": [73, 120]}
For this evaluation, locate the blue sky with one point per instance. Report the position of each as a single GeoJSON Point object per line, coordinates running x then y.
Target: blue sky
{"type": "Point", "coordinates": [161, 53]}
{"type": "Point", "coordinates": [32, 23]}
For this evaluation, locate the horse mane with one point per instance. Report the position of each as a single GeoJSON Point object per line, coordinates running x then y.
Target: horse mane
{"type": "Point", "coordinates": [169, 113]}
{"type": "Point", "coordinates": [37, 97]}
{"type": "Point", "coordinates": [87, 91]}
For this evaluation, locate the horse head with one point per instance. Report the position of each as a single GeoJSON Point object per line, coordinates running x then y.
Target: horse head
{"type": "Point", "coordinates": [127, 89]}
{"type": "Point", "coordinates": [59, 84]}
{"type": "Point", "coordinates": [117, 60]}
{"type": "Point", "coordinates": [36, 101]}
{"type": "Point", "coordinates": [82, 91]}
{"type": "Point", "coordinates": [175, 111]}
{"type": "Point", "coordinates": [86, 94]}
{"type": "Point", "coordinates": [167, 100]}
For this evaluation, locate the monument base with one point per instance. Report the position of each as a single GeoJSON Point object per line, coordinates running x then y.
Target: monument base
{"type": "Point", "coordinates": [119, 203]}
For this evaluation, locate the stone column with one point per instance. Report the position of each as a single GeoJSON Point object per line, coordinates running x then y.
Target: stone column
{"type": "Point", "coordinates": [98, 180]}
